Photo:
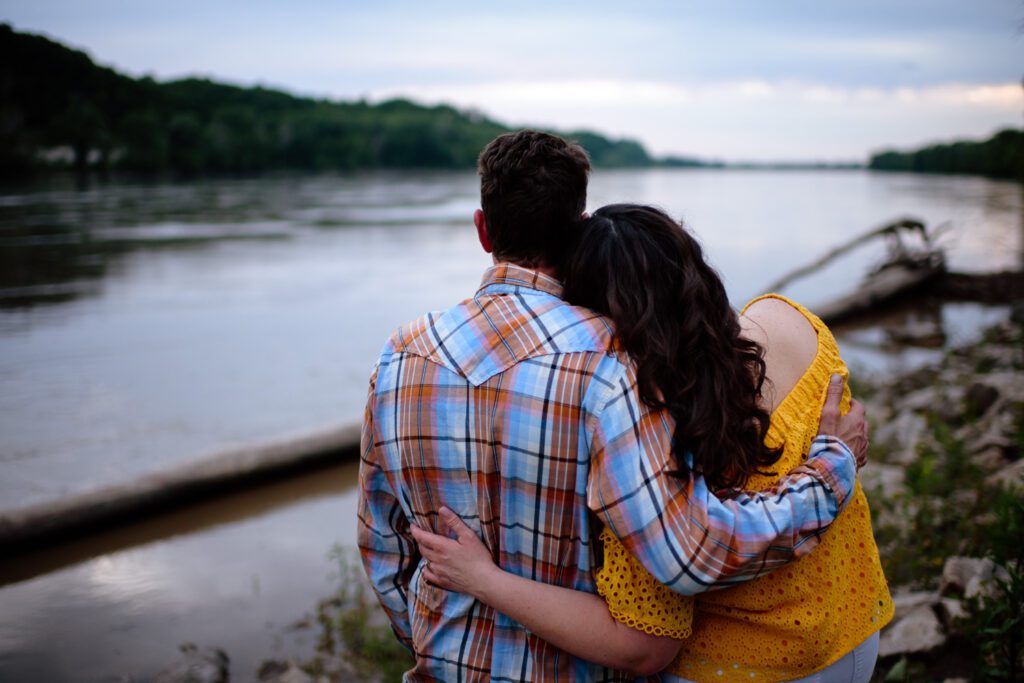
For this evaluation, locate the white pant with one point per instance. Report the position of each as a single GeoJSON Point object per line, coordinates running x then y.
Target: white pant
{"type": "Point", "coordinates": [856, 667]}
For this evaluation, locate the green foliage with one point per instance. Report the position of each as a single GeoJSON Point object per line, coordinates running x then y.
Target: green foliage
{"type": "Point", "coordinates": [352, 629]}
{"type": "Point", "coordinates": [56, 98]}
{"type": "Point", "coordinates": [1001, 156]}
{"type": "Point", "coordinates": [942, 511]}
{"type": "Point", "coordinates": [995, 623]}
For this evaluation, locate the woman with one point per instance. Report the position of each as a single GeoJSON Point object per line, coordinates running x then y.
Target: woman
{"type": "Point", "coordinates": [720, 378]}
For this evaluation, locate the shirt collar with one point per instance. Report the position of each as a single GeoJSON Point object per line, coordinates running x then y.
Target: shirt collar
{"type": "Point", "coordinates": [505, 275]}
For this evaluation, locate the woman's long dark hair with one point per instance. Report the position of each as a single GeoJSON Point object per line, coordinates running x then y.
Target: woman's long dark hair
{"type": "Point", "coordinates": [671, 313]}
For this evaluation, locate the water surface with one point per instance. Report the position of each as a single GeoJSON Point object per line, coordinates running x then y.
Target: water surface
{"type": "Point", "coordinates": [145, 324]}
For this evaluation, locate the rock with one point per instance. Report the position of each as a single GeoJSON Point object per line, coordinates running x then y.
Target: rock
{"type": "Point", "coordinates": [964, 498]}
{"type": "Point", "coordinates": [989, 458]}
{"type": "Point", "coordinates": [196, 666]}
{"type": "Point", "coordinates": [994, 433]}
{"type": "Point", "coordinates": [971, 576]}
{"type": "Point", "coordinates": [979, 398]}
{"type": "Point", "coordinates": [907, 602]}
{"type": "Point", "coordinates": [301, 624]}
{"type": "Point", "coordinates": [1011, 476]}
{"type": "Point", "coordinates": [918, 631]}
{"type": "Point", "coordinates": [1008, 384]}
{"type": "Point", "coordinates": [986, 587]}
{"type": "Point", "coordinates": [934, 399]}
{"type": "Point", "coordinates": [1017, 312]}
{"type": "Point", "coordinates": [958, 573]}
{"type": "Point", "coordinates": [951, 610]}
{"type": "Point", "coordinates": [886, 480]}
{"type": "Point", "coordinates": [902, 433]}
{"type": "Point", "coordinates": [276, 671]}
{"type": "Point", "coordinates": [921, 333]}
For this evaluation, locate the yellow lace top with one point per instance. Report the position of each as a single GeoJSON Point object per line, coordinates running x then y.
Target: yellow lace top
{"type": "Point", "coordinates": [787, 624]}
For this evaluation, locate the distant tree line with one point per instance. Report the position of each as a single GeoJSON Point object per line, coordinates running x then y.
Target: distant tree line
{"type": "Point", "coordinates": [58, 108]}
{"type": "Point", "coordinates": [1001, 156]}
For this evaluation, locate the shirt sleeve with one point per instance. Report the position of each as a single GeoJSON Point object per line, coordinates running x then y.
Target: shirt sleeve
{"type": "Point", "coordinates": [689, 539]}
{"type": "Point", "coordinates": [388, 551]}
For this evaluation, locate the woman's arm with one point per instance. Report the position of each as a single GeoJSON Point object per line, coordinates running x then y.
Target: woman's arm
{"type": "Point", "coordinates": [574, 621]}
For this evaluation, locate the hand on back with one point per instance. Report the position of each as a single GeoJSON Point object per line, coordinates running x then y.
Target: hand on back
{"type": "Point", "coordinates": [852, 428]}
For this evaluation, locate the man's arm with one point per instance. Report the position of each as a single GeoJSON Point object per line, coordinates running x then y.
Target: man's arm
{"type": "Point", "coordinates": [385, 544]}
{"type": "Point", "coordinates": [686, 537]}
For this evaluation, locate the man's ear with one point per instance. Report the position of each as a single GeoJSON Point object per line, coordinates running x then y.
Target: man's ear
{"type": "Point", "coordinates": [481, 230]}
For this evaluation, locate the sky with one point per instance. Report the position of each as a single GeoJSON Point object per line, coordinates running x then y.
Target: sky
{"type": "Point", "coordinates": [749, 80]}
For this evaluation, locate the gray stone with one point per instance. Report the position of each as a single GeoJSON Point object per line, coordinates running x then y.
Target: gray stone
{"type": "Point", "coordinates": [1011, 476]}
{"type": "Point", "coordinates": [886, 480]}
{"type": "Point", "coordinates": [902, 432]}
{"type": "Point", "coordinates": [196, 666]}
{"type": "Point", "coordinates": [994, 432]}
{"type": "Point", "coordinates": [918, 631]}
{"type": "Point", "coordinates": [984, 586]}
{"type": "Point", "coordinates": [1008, 383]}
{"type": "Point", "coordinates": [989, 459]}
{"type": "Point", "coordinates": [906, 602]}
{"type": "Point", "coordinates": [282, 672]}
{"type": "Point", "coordinates": [951, 610]}
{"type": "Point", "coordinates": [979, 397]}
{"type": "Point", "coordinates": [965, 575]}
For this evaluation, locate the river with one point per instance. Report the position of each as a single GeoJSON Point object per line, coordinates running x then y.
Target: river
{"type": "Point", "coordinates": [143, 324]}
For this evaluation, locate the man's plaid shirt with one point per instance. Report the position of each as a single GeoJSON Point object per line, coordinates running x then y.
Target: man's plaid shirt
{"type": "Point", "coordinates": [515, 410]}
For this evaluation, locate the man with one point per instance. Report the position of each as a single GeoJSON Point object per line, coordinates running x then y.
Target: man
{"type": "Point", "coordinates": [513, 409]}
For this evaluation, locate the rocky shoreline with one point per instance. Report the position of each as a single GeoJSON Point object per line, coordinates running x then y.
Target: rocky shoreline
{"type": "Point", "coordinates": [946, 485]}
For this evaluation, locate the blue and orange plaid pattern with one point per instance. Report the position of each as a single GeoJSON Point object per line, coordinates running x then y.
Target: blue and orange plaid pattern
{"type": "Point", "coordinates": [518, 412]}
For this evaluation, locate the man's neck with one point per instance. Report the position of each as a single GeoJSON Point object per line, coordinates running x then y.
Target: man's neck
{"type": "Point", "coordinates": [543, 270]}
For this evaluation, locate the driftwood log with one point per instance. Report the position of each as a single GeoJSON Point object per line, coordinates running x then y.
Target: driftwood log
{"type": "Point", "coordinates": [897, 249]}
{"type": "Point", "coordinates": [908, 272]}
{"type": "Point", "coordinates": [26, 527]}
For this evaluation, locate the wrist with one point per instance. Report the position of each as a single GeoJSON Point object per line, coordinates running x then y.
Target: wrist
{"type": "Point", "coordinates": [488, 587]}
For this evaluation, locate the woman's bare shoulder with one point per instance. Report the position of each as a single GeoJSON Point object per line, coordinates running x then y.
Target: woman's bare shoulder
{"type": "Point", "coordinates": [788, 338]}
{"type": "Point", "coordinates": [780, 318]}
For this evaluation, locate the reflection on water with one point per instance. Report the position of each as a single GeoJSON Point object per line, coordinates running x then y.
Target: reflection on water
{"type": "Point", "coordinates": [912, 335]}
{"type": "Point", "coordinates": [59, 237]}
{"type": "Point", "coordinates": [233, 573]}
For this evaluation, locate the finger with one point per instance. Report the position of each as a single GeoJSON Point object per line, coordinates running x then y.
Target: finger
{"type": "Point", "coordinates": [857, 409]}
{"type": "Point", "coordinates": [430, 542]}
{"type": "Point", "coordinates": [436, 579]}
{"type": "Point", "coordinates": [431, 577]}
{"type": "Point", "coordinates": [830, 411]}
{"type": "Point", "coordinates": [429, 554]}
{"type": "Point", "coordinates": [454, 522]}
{"type": "Point", "coordinates": [424, 539]}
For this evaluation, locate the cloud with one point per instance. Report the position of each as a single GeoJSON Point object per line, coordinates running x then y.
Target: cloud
{"type": "Point", "coordinates": [746, 119]}
{"type": "Point", "coordinates": [786, 76]}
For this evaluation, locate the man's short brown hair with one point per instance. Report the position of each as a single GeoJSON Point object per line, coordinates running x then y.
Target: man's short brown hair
{"type": "Point", "coordinates": [533, 188]}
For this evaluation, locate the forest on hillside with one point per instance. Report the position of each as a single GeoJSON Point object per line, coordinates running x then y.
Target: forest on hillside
{"type": "Point", "coordinates": [60, 109]}
{"type": "Point", "coordinates": [1001, 156]}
